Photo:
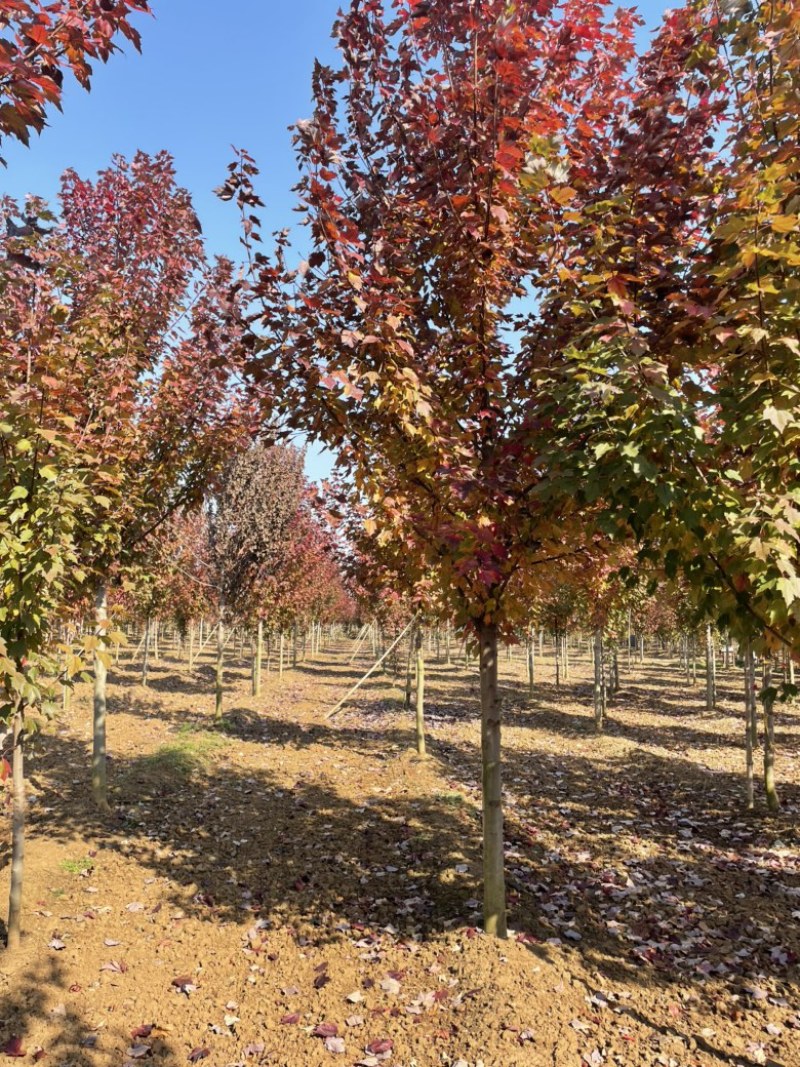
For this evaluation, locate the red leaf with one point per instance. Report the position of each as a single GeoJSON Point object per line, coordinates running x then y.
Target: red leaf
{"type": "Point", "coordinates": [290, 1019]}
{"type": "Point", "coordinates": [325, 1030]}
{"type": "Point", "coordinates": [198, 1054]}
{"type": "Point", "coordinates": [13, 1047]}
{"type": "Point", "coordinates": [383, 1044]}
{"type": "Point", "coordinates": [37, 33]}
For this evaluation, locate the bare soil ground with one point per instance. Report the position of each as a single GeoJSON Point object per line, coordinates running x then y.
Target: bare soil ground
{"type": "Point", "coordinates": [293, 891]}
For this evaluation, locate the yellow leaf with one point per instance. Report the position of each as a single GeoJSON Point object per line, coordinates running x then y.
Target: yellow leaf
{"type": "Point", "coordinates": [564, 194]}
{"type": "Point", "coordinates": [785, 223]}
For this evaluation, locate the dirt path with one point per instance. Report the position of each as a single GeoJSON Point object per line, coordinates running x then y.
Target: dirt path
{"type": "Point", "coordinates": [295, 892]}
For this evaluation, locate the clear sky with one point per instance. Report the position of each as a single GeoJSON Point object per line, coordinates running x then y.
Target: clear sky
{"type": "Point", "coordinates": [211, 75]}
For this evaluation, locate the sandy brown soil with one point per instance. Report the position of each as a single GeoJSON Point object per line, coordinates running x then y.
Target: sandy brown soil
{"type": "Point", "coordinates": [291, 891]}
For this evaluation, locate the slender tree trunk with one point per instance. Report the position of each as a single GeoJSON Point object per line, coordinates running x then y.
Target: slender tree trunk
{"type": "Point", "coordinates": [17, 834]}
{"type": "Point", "coordinates": [280, 659]}
{"type": "Point", "coordinates": [711, 670]}
{"type": "Point", "coordinates": [99, 763]}
{"type": "Point", "coordinates": [753, 703]}
{"type": "Point", "coordinates": [259, 645]}
{"type": "Point", "coordinates": [220, 669]}
{"type": "Point", "coordinates": [694, 659]}
{"type": "Point", "coordinates": [420, 693]}
{"type": "Point", "coordinates": [66, 688]}
{"type": "Point", "coordinates": [146, 656]}
{"type": "Point", "coordinates": [494, 886]}
{"type": "Point", "coordinates": [409, 671]}
{"type": "Point", "coordinates": [566, 656]}
{"type": "Point", "coordinates": [448, 659]}
{"type": "Point", "coordinates": [749, 703]}
{"type": "Point", "coordinates": [615, 687]}
{"type": "Point", "coordinates": [191, 645]}
{"type": "Point", "coordinates": [773, 803]}
{"type": "Point", "coordinates": [599, 681]}
{"type": "Point", "coordinates": [557, 650]}
{"type": "Point", "coordinates": [531, 664]}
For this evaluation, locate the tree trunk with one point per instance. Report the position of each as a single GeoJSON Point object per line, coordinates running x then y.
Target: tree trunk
{"type": "Point", "coordinates": [494, 886]}
{"type": "Point", "coordinates": [749, 705]}
{"type": "Point", "coordinates": [773, 803]}
{"type": "Point", "coordinates": [280, 659]}
{"type": "Point", "coordinates": [220, 670]}
{"type": "Point", "coordinates": [409, 672]}
{"type": "Point", "coordinates": [146, 656]}
{"type": "Point", "coordinates": [557, 651]}
{"type": "Point", "coordinates": [711, 670]}
{"type": "Point", "coordinates": [17, 835]}
{"type": "Point", "coordinates": [565, 646]}
{"type": "Point", "coordinates": [599, 681]}
{"type": "Point", "coordinates": [531, 664]}
{"type": "Point", "coordinates": [99, 764]}
{"type": "Point", "coordinates": [420, 691]}
{"type": "Point", "coordinates": [66, 688]}
{"type": "Point", "coordinates": [257, 658]}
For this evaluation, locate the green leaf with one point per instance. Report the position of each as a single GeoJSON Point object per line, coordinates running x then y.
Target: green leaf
{"type": "Point", "coordinates": [779, 419]}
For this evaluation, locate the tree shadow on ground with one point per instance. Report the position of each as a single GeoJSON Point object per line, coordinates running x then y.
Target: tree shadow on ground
{"type": "Point", "coordinates": [654, 845]}
{"type": "Point", "coordinates": [552, 708]}
{"type": "Point", "coordinates": [25, 1005]}
{"type": "Point", "coordinates": [240, 842]}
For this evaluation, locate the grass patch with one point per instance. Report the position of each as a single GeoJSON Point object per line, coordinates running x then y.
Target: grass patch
{"type": "Point", "coordinates": [453, 800]}
{"type": "Point", "coordinates": [76, 866]}
{"type": "Point", "coordinates": [191, 751]}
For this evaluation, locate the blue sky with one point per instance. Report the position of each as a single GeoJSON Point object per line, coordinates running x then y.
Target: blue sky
{"type": "Point", "coordinates": [210, 76]}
